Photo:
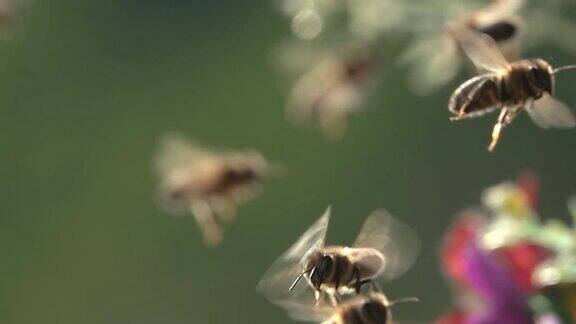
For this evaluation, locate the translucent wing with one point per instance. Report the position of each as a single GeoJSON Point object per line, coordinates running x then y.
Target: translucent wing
{"type": "Point", "coordinates": [549, 112]}
{"type": "Point", "coordinates": [370, 262]}
{"type": "Point", "coordinates": [303, 309]}
{"type": "Point", "coordinates": [481, 49]}
{"type": "Point", "coordinates": [293, 59]}
{"type": "Point", "coordinates": [278, 278]}
{"type": "Point", "coordinates": [508, 6]}
{"type": "Point", "coordinates": [175, 163]}
{"type": "Point", "coordinates": [176, 151]}
{"type": "Point", "coordinates": [397, 242]}
{"type": "Point", "coordinates": [459, 101]}
{"type": "Point", "coordinates": [433, 62]}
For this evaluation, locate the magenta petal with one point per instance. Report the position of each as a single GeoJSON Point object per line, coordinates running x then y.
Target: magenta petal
{"type": "Point", "coordinates": [503, 300]}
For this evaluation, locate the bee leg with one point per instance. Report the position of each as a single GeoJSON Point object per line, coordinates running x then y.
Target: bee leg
{"type": "Point", "coordinates": [318, 295]}
{"type": "Point", "coordinates": [372, 284]}
{"type": "Point", "coordinates": [207, 221]}
{"type": "Point", "coordinates": [502, 121]}
{"type": "Point", "coordinates": [357, 282]}
{"type": "Point", "coordinates": [458, 117]}
{"type": "Point", "coordinates": [224, 207]}
{"type": "Point", "coordinates": [334, 124]}
{"type": "Point", "coordinates": [335, 298]}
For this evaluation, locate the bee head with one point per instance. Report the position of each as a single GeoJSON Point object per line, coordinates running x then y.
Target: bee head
{"type": "Point", "coordinates": [375, 310]}
{"type": "Point", "coordinates": [540, 74]}
{"type": "Point", "coordinates": [319, 266]}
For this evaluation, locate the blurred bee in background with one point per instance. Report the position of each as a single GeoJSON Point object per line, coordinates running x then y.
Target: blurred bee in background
{"type": "Point", "coordinates": [384, 249]}
{"type": "Point", "coordinates": [210, 184]}
{"type": "Point", "coordinates": [370, 308]}
{"type": "Point", "coordinates": [335, 87]}
{"type": "Point", "coordinates": [500, 21]}
{"type": "Point", "coordinates": [436, 58]}
{"type": "Point", "coordinates": [524, 85]}
{"type": "Point", "coordinates": [339, 78]}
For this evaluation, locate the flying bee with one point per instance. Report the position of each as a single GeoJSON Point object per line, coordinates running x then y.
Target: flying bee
{"type": "Point", "coordinates": [511, 87]}
{"type": "Point", "coordinates": [370, 308]}
{"type": "Point", "coordinates": [384, 249]}
{"type": "Point", "coordinates": [501, 22]}
{"type": "Point", "coordinates": [435, 59]}
{"type": "Point", "coordinates": [333, 89]}
{"type": "Point", "coordinates": [209, 183]}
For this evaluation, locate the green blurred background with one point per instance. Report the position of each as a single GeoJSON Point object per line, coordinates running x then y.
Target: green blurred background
{"type": "Point", "coordinates": [86, 87]}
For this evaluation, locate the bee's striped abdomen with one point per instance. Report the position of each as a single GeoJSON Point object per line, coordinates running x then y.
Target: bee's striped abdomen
{"type": "Point", "coordinates": [476, 96]}
{"type": "Point", "coordinates": [352, 316]}
{"type": "Point", "coordinates": [499, 31]}
{"type": "Point", "coordinates": [232, 178]}
{"type": "Point", "coordinates": [365, 312]}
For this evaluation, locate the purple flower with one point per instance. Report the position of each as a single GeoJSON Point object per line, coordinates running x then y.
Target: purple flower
{"type": "Point", "coordinates": [504, 302]}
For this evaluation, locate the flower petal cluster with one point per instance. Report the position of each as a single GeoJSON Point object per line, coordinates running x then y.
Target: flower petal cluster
{"type": "Point", "coordinates": [508, 266]}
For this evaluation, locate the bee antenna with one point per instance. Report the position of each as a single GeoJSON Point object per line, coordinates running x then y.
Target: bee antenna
{"type": "Point", "coordinates": [562, 68]}
{"type": "Point", "coordinates": [405, 300]}
{"type": "Point", "coordinates": [300, 277]}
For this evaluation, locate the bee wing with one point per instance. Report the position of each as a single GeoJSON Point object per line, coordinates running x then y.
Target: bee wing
{"type": "Point", "coordinates": [506, 7]}
{"type": "Point", "coordinates": [433, 62]}
{"type": "Point", "coordinates": [175, 156]}
{"type": "Point", "coordinates": [549, 112]}
{"type": "Point", "coordinates": [395, 241]}
{"type": "Point", "coordinates": [296, 58]}
{"type": "Point", "coordinates": [480, 48]}
{"type": "Point", "coordinates": [176, 151]}
{"type": "Point", "coordinates": [303, 309]}
{"type": "Point", "coordinates": [369, 261]}
{"type": "Point", "coordinates": [277, 280]}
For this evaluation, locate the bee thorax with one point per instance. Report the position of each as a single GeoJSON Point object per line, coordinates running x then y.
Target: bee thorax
{"type": "Point", "coordinates": [331, 271]}
{"type": "Point", "coordinates": [526, 80]}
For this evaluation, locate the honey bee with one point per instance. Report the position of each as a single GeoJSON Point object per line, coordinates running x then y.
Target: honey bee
{"type": "Point", "coordinates": [333, 89]}
{"type": "Point", "coordinates": [513, 87]}
{"type": "Point", "coordinates": [210, 184]}
{"type": "Point", "coordinates": [373, 307]}
{"type": "Point", "coordinates": [436, 59]}
{"type": "Point", "coordinates": [384, 249]}
{"type": "Point", "coordinates": [500, 21]}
